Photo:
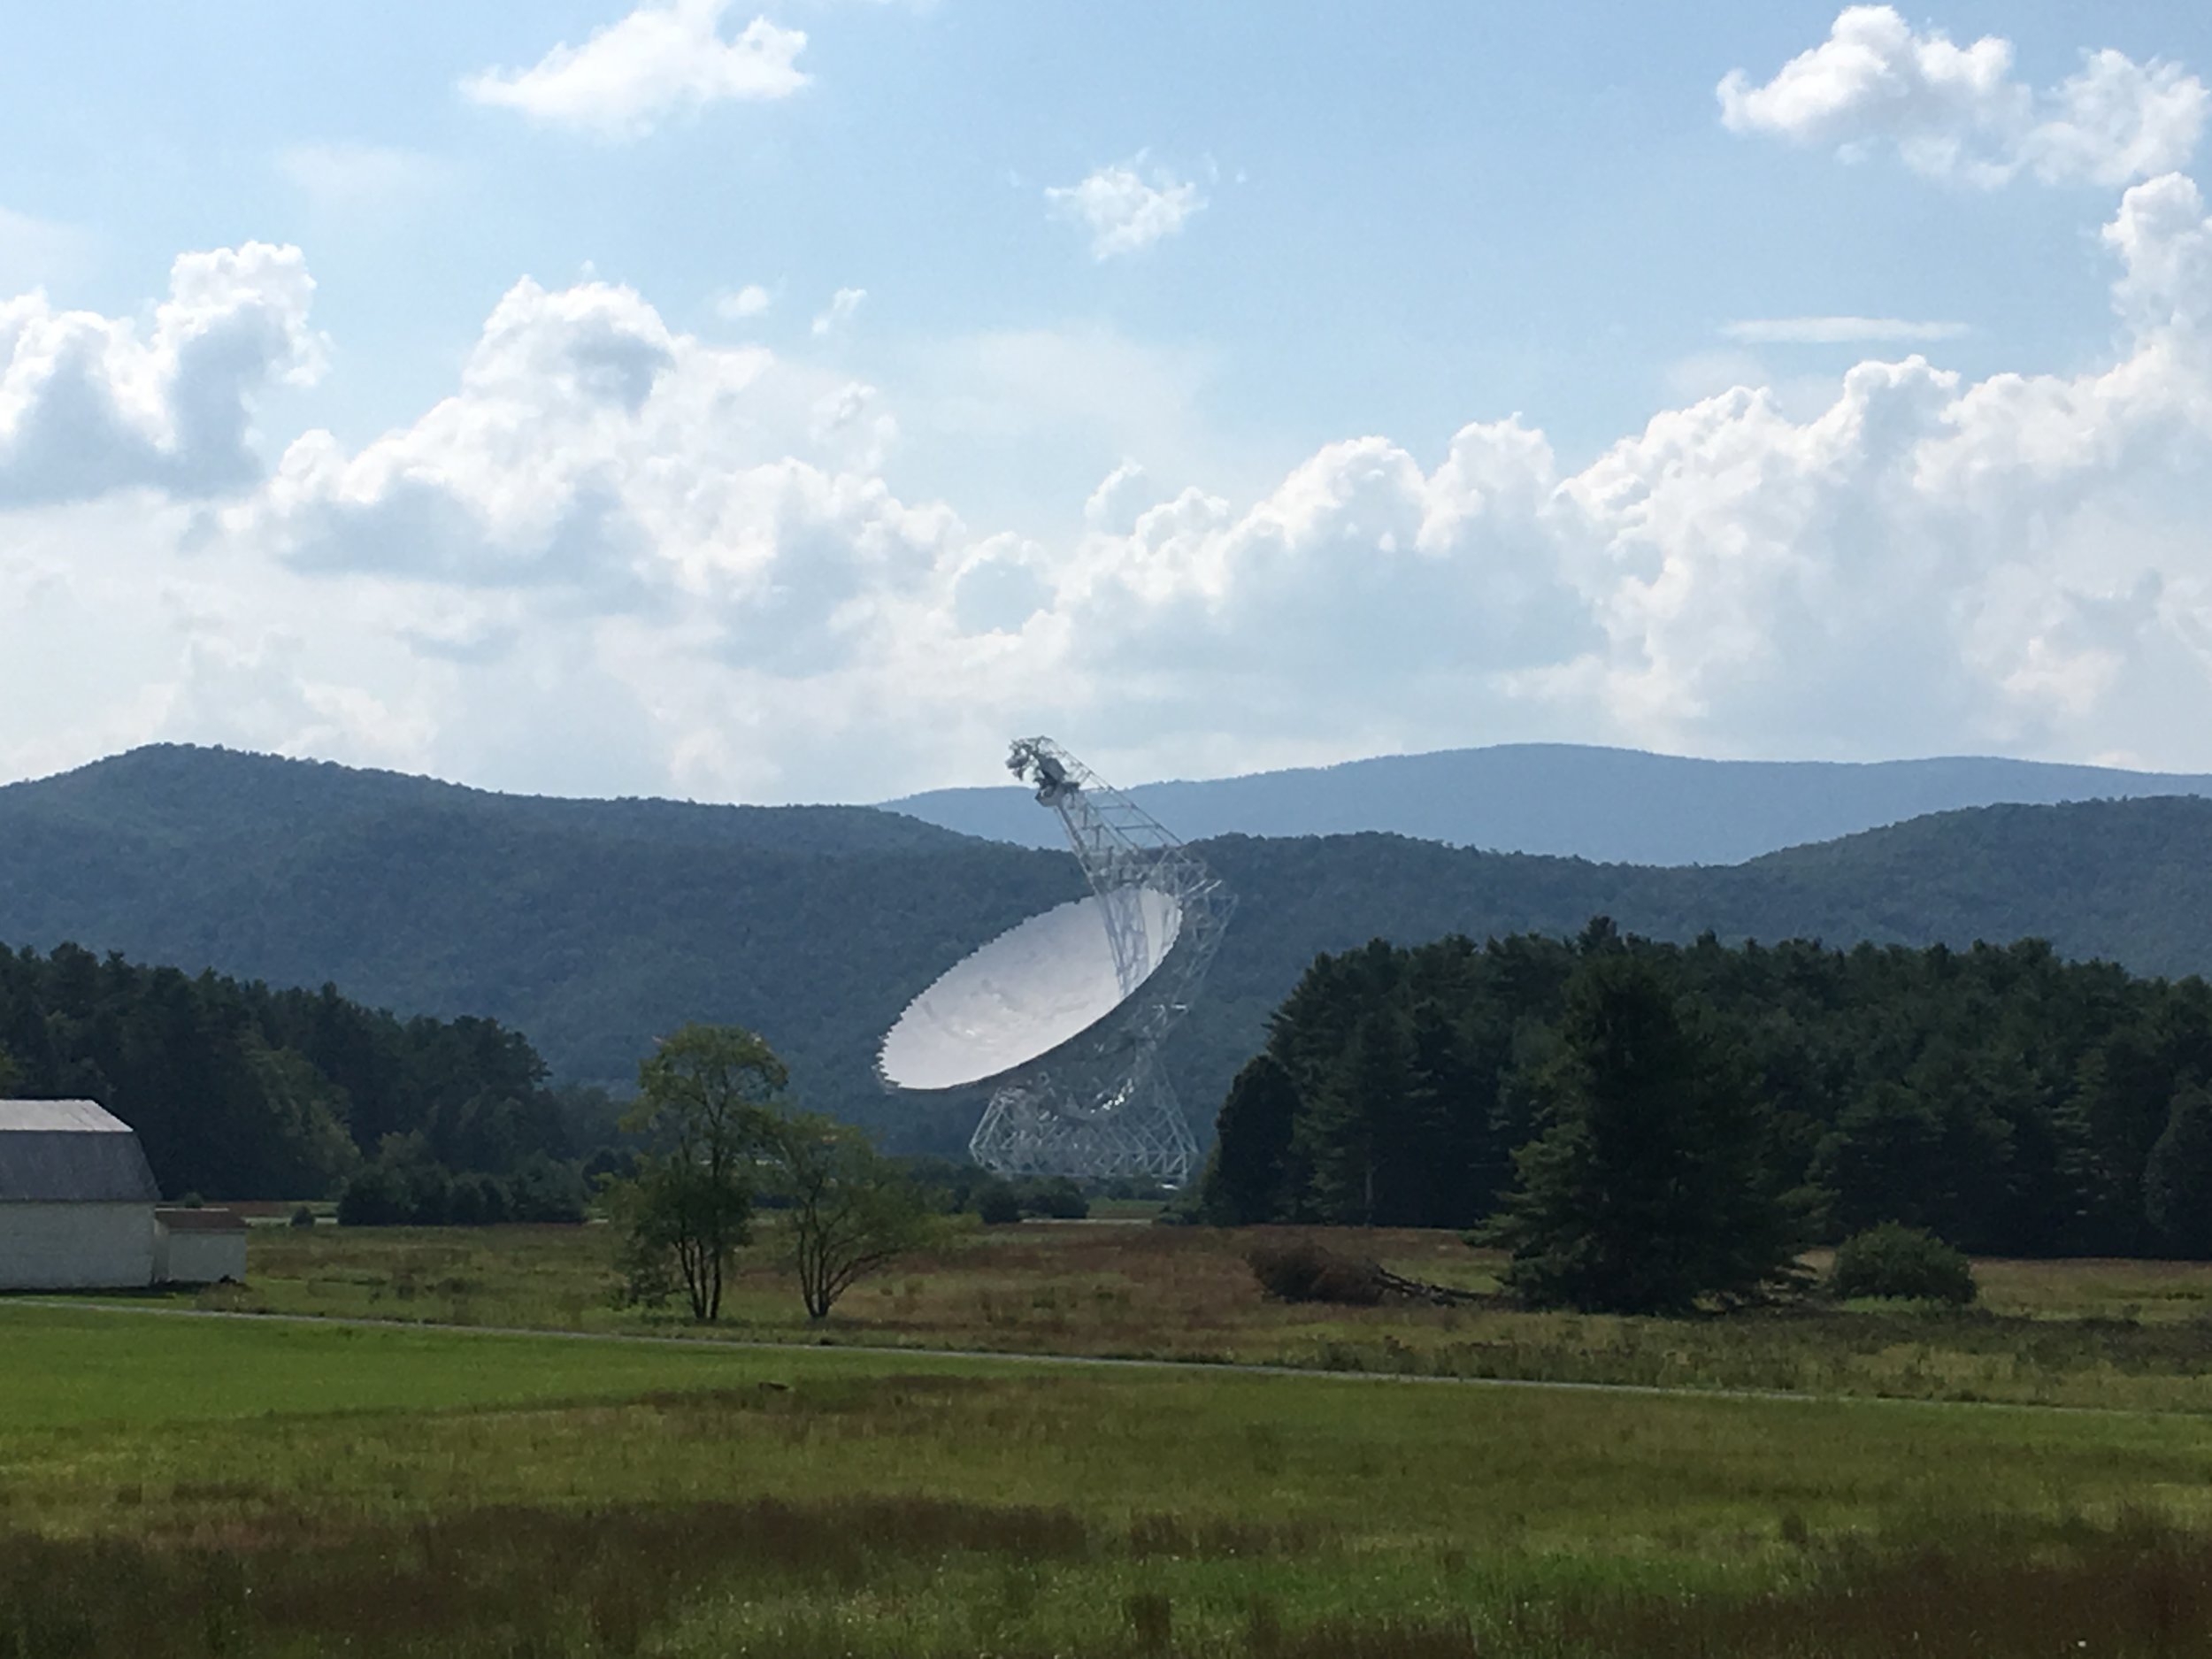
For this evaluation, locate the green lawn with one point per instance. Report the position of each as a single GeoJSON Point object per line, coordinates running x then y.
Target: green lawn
{"type": "Point", "coordinates": [126, 1369]}
{"type": "Point", "coordinates": [279, 1488]}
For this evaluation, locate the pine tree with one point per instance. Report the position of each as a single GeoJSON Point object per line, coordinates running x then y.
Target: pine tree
{"type": "Point", "coordinates": [1644, 1191]}
{"type": "Point", "coordinates": [1352, 1141]}
{"type": "Point", "coordinates": [1883, 1161]}
{"type": "Point", "coordinates": [2124, 1090]}
{"type": "Point", "coordinates": [1447, 1121]}
{"type": "Point", "coordinates": [1248, 1181]}
{"type": "Point", "coordinates": [2178, 1179]}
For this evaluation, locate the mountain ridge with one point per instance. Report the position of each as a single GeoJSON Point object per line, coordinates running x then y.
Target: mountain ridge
{"type": "Point", "coordinates": [265, 792]}
{"type": "Point", "coordinates": [1605, 804]}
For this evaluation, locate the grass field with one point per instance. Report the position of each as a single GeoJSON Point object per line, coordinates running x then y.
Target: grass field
{"type": "Point", "coordinates": [2131, 1334]}
{"type": "Point", "coordinates": [173, 1485]}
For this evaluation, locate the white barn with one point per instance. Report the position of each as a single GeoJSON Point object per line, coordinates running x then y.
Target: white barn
{"type": "Point", "coordinates": [198, 1247]}
{"type": "Point", "coordinates": [76, 1199]}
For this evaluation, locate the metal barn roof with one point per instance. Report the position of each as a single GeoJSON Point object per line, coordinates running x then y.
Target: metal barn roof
{"type": "Point", "coordinates": [70, 1152]}
{"type": "Point", "coordinates": [201, 1220]}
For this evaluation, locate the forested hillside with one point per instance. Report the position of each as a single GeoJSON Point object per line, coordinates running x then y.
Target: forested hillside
{"type": "Point", "coordinates": [242, 1092]}
{"type": "Point", "coordinates": [2129, 882]}
{"type": "Point", "coordinates": [182, 799]}
{"type": "Point", "coordinates": [2015, 1103]}
{"type": "Point", "coordinates": [594, 927]}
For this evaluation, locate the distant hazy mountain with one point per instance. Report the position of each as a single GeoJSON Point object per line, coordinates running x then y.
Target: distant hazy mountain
{"type": "Point", "coordinates": [595, 926]}
{"type": "Point", "coordinates": [1609, 805]}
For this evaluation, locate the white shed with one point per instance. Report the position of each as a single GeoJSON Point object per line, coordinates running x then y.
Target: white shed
{"type": "Point", "coordinates": [76, 1199]}
{"type": "Point", "coordinates": [198, 1247]}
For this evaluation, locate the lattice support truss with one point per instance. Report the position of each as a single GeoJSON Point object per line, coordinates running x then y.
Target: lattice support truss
{"type": "Point", "coordinates": [1054, 1125]}
{"type": "Point", "coordinates": [1103, 1109]}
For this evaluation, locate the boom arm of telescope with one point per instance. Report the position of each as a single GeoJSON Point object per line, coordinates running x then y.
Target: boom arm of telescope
{"type": "Point", "coordinates": [1123, 849]}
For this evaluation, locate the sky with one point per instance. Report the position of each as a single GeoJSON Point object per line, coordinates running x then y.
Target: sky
{"type": "Point", "coordinates": [588, 398]}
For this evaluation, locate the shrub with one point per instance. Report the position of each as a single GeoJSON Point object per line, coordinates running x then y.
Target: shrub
{"type": "Point", "coordinates": [375, 1197]}
{"type": "Point", "coordinates": [1059, 1198]}
{"type": "Point", "coordinates": [1144, 1186]}
{"type": "Point", "coordinates": [545, 1190]}
{"type": "Point", "coordinates": [429, 1189]}
{"type": "Point", "coordinates": [998, 1204]}
{"type": "Point", "coordinates": [606, 1163]}
{"type": "Point", "coordinates": [1899, 1261]}
{"type": "Point", "coordinates": [302, 1216]}
{"type": "Point", "coordinates": [478, 1201]}
{"type": "Point", "coordinates": [1307, 1272]}
{"type": "Point", "coordinates": [952, 1185]}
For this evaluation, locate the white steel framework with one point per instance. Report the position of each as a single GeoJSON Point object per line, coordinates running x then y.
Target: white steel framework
{"type": "Point", "coordinates": [1100, 1107]}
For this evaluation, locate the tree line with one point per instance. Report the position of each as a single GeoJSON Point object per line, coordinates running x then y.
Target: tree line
{"type": "Point", "coordinates": [2004, 1099]}
{"type": "Point", "coordinates": [240, 1091]}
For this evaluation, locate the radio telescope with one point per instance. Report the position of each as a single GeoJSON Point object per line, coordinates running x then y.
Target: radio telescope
{"type": "Point", "coordinates": [1062, 1016]}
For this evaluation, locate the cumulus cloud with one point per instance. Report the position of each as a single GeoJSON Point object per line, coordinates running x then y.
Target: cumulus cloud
{"type": "Point", "coordinates": [261, 692]}
{"type": "Point", "coordinates": [1114, 505]}
{"type": "Point", "coordinates": [743, 303]}
{"type": "Point", "coordinates": [1124, 211]}
{"type": "Point", "coordinates": [839, 312]}
{"type": "Point", "coordinates": [853, 428]}
{"type": "Point", "coordinates": [1836, 331]}
{"type": "Point", "coordinates": [607, 464]}
{"type": "Point", "coordinates": [115, 639]}
{"type": "Point", "coordinates": [1925, 562]}
{"type": "Point", "coordinates": [615, 555]}
{"type": "Point", "coordinates": [1446, 579]}
{"type": "Point", "coordinates": [2165, 249]}
{"type": "Point", "coordinates": [91, 403]}
{"type": "Point", "coordinates": [1961, 112]}
{"type": "Point", "coordinates": [661, 59]}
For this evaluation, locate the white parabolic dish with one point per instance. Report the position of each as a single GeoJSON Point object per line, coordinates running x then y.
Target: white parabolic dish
{"type": "Point", "coordinates": [1035, 986]}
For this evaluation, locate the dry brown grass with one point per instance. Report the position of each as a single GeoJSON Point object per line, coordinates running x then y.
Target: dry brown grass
{"type": "Point", "coordinates": [495, 1579]}
{"type": "Point", "coordinates": [2099, 1333]}
{"type": "Point", "coordinates": [2134, 1588]}
{"type": "Point", "coordinates": [623, 1580]}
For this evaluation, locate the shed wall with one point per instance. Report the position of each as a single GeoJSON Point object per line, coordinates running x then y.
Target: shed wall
{"type": "Point", "coordinates": [200, 1258]}
{"type": "Point", "coordinates": [76, 1246]}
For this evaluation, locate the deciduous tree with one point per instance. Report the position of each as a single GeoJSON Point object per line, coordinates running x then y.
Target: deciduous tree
{"type": "Point", "coordinates": [705, 1106]}
{"type": "Point", "coordinates": [850, 1210]}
